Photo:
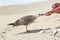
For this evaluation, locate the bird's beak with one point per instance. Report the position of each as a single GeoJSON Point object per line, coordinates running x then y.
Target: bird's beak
{"type": "Point", "coordinates": [41, 14]}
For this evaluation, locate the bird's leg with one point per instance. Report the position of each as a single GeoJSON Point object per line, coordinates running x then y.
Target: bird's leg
{"type": "Point", "coordinates": [27, 29]}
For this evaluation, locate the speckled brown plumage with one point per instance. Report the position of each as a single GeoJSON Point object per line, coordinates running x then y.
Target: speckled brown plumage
{"type": "Point", "coordinates": [26, 20]}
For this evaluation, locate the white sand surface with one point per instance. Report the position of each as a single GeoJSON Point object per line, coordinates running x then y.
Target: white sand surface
{"type": "Point", "coordinates": [45, 27]}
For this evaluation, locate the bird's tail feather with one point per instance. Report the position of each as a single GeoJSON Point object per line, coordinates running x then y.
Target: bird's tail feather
{"type": "Point", "coordinates": [11, 24]}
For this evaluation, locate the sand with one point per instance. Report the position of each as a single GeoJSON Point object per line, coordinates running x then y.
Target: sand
{"type": "Point", "coordinates": [44, 28]}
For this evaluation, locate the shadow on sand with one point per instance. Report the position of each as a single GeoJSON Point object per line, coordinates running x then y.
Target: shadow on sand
{"type": "Point", "coordinates": [37, 30]}
{"type": "Point", "coordinates": [33, 31]}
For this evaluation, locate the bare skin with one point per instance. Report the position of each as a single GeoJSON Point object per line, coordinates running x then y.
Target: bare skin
{"type": "Point", "coordinates": [55, 9]}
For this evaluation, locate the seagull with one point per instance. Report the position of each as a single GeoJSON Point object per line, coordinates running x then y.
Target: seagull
{"type": "Point", "coordinates": [25, 20]}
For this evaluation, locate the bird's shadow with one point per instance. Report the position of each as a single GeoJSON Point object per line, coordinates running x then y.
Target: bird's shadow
{"type": "Point", "coordinates": [37, 30]}
{"type": "Point", "coordinates": [34, 31]}
{"type": "Point", "coordinates": [57, 27]}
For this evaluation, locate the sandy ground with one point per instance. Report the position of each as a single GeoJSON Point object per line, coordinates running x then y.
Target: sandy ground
{"type": "Point", "coordinates": [44, 28]}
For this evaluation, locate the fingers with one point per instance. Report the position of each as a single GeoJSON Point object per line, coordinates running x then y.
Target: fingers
{"type": "Point", "coordinates": [56, 9]}
{"type": "Point", "coordinates": [55, 5]}
{"type": "Point", "coordinates": [48, 13]}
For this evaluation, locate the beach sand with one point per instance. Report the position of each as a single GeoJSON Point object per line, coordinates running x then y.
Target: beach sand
{"type": "Point", "coordinates": [44, 28]}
